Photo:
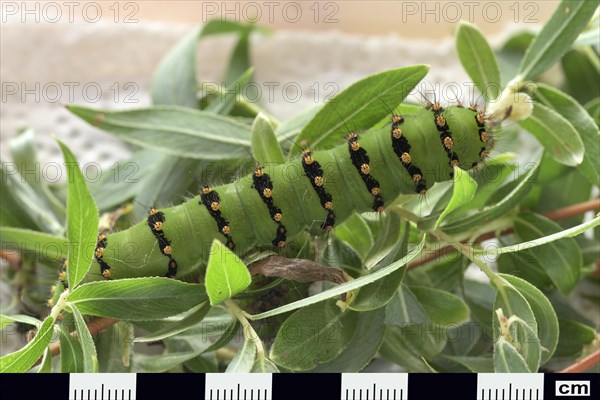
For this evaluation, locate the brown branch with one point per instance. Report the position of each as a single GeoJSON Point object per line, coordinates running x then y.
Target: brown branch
{"type": "Point", "coordinates": [561, 213]}
{"type": "Point", "coordinates": [584, 364]}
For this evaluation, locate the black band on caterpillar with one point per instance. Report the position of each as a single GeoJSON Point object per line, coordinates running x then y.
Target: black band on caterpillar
{"type": "Point", "coordinates": [402, 149]}
{"type": "Point", "coordinates": [445, 136]}
{"type": "Point", "coordinates": [156, 221]}
{"type": "Point", "coordinates": [360, 160]}
{"type": "Point", "coordinates": [212, 202]}
{"type": "Point", "coordinates": [101, 244]}
{"type": "Point", "coordinates": [264, 186]}
{"type": "Point", "coordinates": [314, 172]}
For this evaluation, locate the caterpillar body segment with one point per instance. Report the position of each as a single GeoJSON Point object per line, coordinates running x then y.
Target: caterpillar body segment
{"type": "Point", "coordinates": [317, 192]}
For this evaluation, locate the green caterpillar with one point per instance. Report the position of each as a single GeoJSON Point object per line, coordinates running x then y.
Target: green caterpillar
{"type": "Point", "coordinates": [322, 188]}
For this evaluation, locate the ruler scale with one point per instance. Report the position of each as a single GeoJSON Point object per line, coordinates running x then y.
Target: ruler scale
{"type": "Point", "coordinates": [327, 386]}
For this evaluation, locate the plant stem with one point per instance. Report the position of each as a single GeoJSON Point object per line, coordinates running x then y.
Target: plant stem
{"type": "Point", "coordinates": [585, 363]}
{"type": "Point", "coordinates": [249, 332]}
{"type": "Point", "coordinates": [561, 213]}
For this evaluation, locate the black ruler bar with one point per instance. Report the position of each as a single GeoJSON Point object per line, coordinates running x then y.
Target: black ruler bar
{"type": "Point", "coordinates": [455, 386]}
{"type": "Point", "coordinates": [298, 385]}
{"type": "Point", "coordinates": [307, 386]}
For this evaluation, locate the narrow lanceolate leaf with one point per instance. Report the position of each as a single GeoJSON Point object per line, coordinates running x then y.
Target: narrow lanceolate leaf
{"type": "Point", "coordinates": [478, 60]}
{"type": "Point", "coordinates": [174, 81]}
{"type": "Point", "coordinates": [557, 36]}
{"type": "Point", "coordinates": [71, 357]}
{"type": "Point", "coordinates": [25, 240]}
{"type": "Point", "coordinates": [463, 192]}
{"type": "Point", "coordinates": [265, 148]}
{"type": "Point", "coordinates": [90, 357]}
{"type": "Point", "coordinates": [558, 136]}
{"type": "Point", "coordinates": [359, 107]}
{"type": "Point", "coordinates": [498, 209]}
{"type": "Point", "coordinates": [137, 299]}
{"type": "Point", "coordinates": [346, 286]}
{"type": "Point", "coordinates": [561, 259]}
{"type": "Point", "coordinates": [508, 359]}
{"type": "Point", "coordinates": [23, 359]}
{"type": "Point", "coordinates": [314, 334]}
{"type": "Point", "coordinates": [194, 317]}
{"type": "Point", "coordinates": [226, 274]}
{"type": "Point", "coordinates": [82, 221]}
{"type": "Point", "coordinates": [24, 319]}
{"type": "Point", "coordinates": [173, 130]}
{"type": "Point", "coordinates": [569, 108]}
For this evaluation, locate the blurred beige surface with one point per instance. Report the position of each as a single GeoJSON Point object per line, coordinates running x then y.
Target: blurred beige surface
{"type": "Point", "coordinates": [411, 19]}
{"type": "Point", "coordinates": [102, 54]}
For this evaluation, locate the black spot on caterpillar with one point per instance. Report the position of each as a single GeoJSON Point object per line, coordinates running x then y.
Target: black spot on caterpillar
{"type": "Point", "coordinates": [317, 190]}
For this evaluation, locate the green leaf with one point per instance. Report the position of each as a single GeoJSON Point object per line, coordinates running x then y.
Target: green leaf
{"type": "Point", "coordinates": [46, 364]}
{"type": "Point", "coordinates": [137, 299]}
{"type": "Point", "coordinates": [472, 364]}
{"type": "Point", "coordinates": [525, 266]}
{"type": "Point", "coordinates": [390, 239]}
{"type": "Point", "coordinates": [243, 361]}
{"type": "Point", "coordinates": [561, 259]}
{"type": "Point", "coordinates": [496, 210]}
{"type": "Point", "coordinates": [25, 241]}
{"type": "Point", "coordinates": [519, 322]}
{"type": "Point", "coordinates": [543, 312]}
{"type": "Point", "coordinates": [557, 36]}
{"type": "Point", "coordinates": [266, 366]}
{"type": "Point", "coordinates": [464, 190]}
{"type": "Point", "coordinates": [593, 108]}
{"type": "Point", "coordinates": [162, 362]}
{"type": "Point", "coordinates": [359, 107]}
{"type": "Point", "coordinates": [224, 101]}
{"type": "Point", "coordinates": [508, 359]}
{"type": "Point", "coordinates": [88, 348]}
{"type": "Point", "coordinates": [581, 69]}
{"type": "Point", "coordinates": [441, 307]}
{"type": "Point", "coordinates": [71, 354]}
{"type": "Point", "coordinates": [362, 347]}
{"type": "Point", "coordinates": [344, 287]}
{"type": "Point", "coordinates": [573, 337]}
{"type": "Point", "coordinates": [574, 231]}
{"type": "Point", "coordinates": [6, 320]}
{"type": "Point", "coordinates": [173, 130]}
{"type": "Point", "coordinates": [410, 346]}
{"type": "Point", "coordinates": [227, 336]}
{"type": "Point", "coordinates": [478, 60]}
{"type": "Point", "coordinates": [558, 136]}
{"type": "Point", "coordinates": [23, 154]}
{"type": "Point", "coordinates": [265, 148]}
{"type": "Point", "coordinates": [22, 360]}
{"type": "Point", "coordinates": [82, 221]}
{"type": "Point", "coordinates": [174, 80]}
{"type": "Point", "coordinates": [347, 232]}
{"type": "Point", "coordinates": [196, 315]}
{"type": "Point", "coordinates": [378, 293]}
{"type": "Point", "coordinates": [404, 308]}
{"type": "Point", "coordinates": [226, 274]}
{"type": "Point", "coordinates": [167, 183]}
{"type": "Point", "coordinates": [312, 335]}
{"type": "Point", "coordinates": [572, 111]}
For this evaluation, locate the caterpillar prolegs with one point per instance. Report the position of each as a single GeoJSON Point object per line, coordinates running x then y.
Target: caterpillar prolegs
{"type": "Point", "coordinates": [317, 189]}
